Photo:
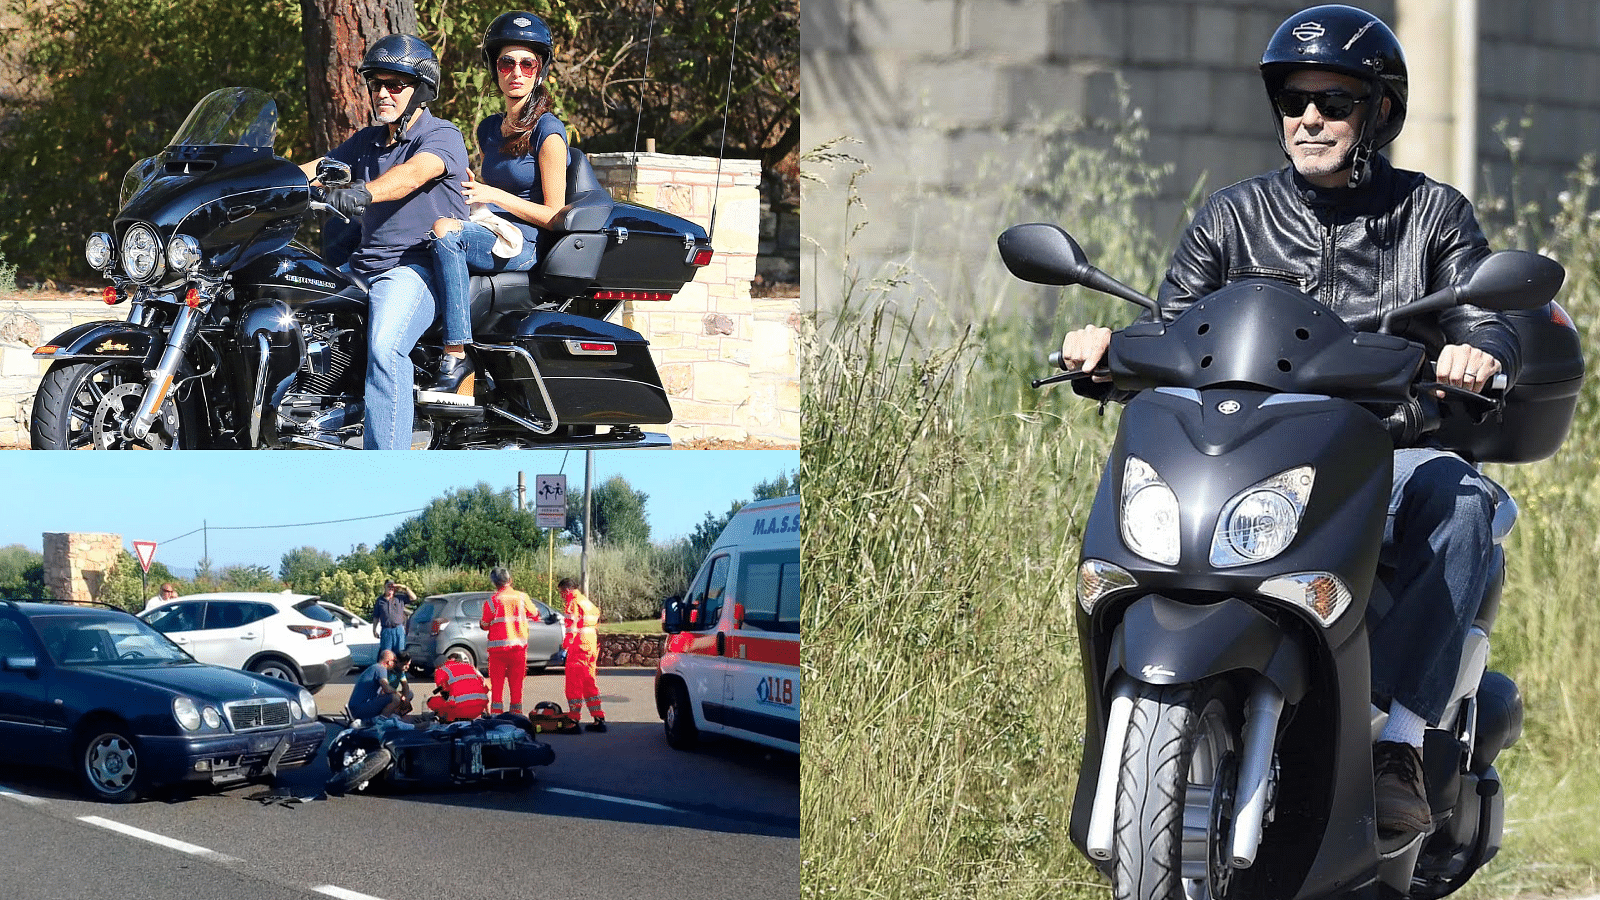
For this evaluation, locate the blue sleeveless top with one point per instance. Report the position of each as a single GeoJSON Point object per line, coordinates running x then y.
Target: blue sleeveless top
{"type": "Point", "coordinates": [517, 175]}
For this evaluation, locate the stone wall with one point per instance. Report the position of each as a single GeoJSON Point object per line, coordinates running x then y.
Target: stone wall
{"type": "Point", "coordinates": [956, 103]}
{"type": "Point", "coordinates": [25, 325]}
{"type": "Point", "coordinates": [637, 650]}
{"type": "Point", "coordinates": [728, 361]}
{"type": "Point", "coordinates": [76, 563]}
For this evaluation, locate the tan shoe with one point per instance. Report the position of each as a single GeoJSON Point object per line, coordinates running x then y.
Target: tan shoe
{"type": "Point", "coordinates": [1402, 799]}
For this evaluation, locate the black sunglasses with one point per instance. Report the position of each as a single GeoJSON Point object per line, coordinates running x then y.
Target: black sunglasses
{"type": "Point", "coordinates": [1335, 106]}
{"type": "Point", "coordinates": [375, 85]}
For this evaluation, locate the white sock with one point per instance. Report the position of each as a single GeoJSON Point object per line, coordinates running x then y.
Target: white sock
{"type": "Point", "coordinates": [1404, 726]}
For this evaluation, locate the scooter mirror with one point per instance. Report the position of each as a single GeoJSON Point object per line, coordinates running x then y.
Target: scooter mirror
{"type": "Point", "coordinates": [1513, 279]}
{"type": "Point", "coordinates": [1043, 254]}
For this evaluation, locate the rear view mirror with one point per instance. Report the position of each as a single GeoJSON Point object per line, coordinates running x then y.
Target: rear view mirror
{"type": "Point", "coordinates": [1514, 279]}
{"type": "Point", "coordinates": [672, 615]}
{"type": "Point", "coordinates": [1042, 253]}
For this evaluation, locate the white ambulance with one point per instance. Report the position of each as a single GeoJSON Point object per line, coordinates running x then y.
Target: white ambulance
{"type": "Point", "coordinates": [731, 665]}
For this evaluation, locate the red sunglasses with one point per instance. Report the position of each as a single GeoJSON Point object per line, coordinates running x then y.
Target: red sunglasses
{"type": "Point", "coordinates": [505, 64]}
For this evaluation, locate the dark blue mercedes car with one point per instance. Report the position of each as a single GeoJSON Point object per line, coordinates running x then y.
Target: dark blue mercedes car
{"type": "Point", "coordinates": [96, 690]}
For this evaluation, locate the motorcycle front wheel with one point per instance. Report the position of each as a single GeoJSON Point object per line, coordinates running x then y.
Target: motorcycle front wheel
{"type": "Point", "coordinates": [1175, 800]}
{"type": "Point", "coordinates": [82, 405]}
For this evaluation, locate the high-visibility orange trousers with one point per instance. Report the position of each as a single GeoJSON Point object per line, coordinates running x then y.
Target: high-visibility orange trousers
{"type": "Point", "coordinates": [507, 664]}
{"type": "Point", "coordinates": [582, 665]}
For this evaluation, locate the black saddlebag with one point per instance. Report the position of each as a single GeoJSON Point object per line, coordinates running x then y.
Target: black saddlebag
{"type": "Point", "coordinates": [592, 372]}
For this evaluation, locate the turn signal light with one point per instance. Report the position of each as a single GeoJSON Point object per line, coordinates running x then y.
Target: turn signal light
{"type": "Point", "coordinates": [311, 632]}
{"type": "Point", "coordinates": [111, 295]}
{"type": "Point", "coordinates": [633, 295]}
{"type": "Point", "coordinates": [46, 350]}
{"type": "Point", "coordinates": [702, 257]}
{"type": "Point", "coordinates": [192, 298]}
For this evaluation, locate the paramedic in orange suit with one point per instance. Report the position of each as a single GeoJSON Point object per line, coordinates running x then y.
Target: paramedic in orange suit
{"type": "Point", "coordinates": [582, 644]}
{"type": "Point", "coordinates": [506, 617]}
{"type": "Point", "coordinates": [462, 692]}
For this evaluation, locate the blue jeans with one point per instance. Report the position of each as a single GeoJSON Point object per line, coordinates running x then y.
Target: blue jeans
{"type": "Point", "coordinates": [455, 257]}
{"type": "Point", "coordinates": [392, 639]}
{"type": "Point", "coordinates": [1437, 543]}
{"type": "Point", "coordinates": [401, 309]}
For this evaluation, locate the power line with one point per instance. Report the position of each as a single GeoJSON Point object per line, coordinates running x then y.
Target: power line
{"type": "Point", "coordinates": [295, 525]}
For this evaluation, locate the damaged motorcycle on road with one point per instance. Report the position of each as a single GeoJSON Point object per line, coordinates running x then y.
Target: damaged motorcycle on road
{"type": "Point", "coordinates": [239, 337]}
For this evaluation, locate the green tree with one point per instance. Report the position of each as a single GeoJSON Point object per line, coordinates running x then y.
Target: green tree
{"type": "Point", "coordinates": [247, 577]}
{"type": "Point", "coordinates": [476, 527]}
{"type": "Point", "coordinates": [364, 559]}
{"type": "Point", "coordinates": [619, 514]}
{"type": "Point", "coordinates": [302, 566]}
{"type": "Point", "coordinates": [123, 585]}
{"type": "Point", "coordinates": [21, 573]}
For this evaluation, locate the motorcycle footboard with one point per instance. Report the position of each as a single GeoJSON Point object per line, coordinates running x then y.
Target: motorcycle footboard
{"type": "Point", "coordinates": [427, 763]}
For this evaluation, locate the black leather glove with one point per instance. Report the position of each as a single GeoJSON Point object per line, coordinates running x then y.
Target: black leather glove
{"type": "Point", "coordinates": [352, 201]}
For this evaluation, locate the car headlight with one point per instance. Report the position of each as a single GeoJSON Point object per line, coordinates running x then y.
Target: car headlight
{"type": "Point", "coordinates": [211, 717]}
{"type": "Point", "coordinates": [187, 714]}
{"type": "Point", "coordinates": [141, 252]}
{"type": "Point", "coordinates": [98, 250]}
{"type": "Point", "coordinates": [1098, 579]}
{"type": "Point", "coordinates": [307, 707]}
{"type": "Point", "coordinates": [1149, 513]}
{"type": "Point", "coordinates": [1260, 521]}
{"type": "Point", "coordinates": [183, 253]}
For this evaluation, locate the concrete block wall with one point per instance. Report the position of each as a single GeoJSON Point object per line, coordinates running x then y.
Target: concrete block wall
{"type": "Point", "coordinates": [76, 563]}
{"type": "Point", "coordinates": [954, 100]}
{"type": "Point", "coordinates": [728, 361]}
{"type": "Point", "coordinates": [25, 325]}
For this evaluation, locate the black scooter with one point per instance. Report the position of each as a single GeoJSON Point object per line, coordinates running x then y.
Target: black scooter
{"type": "Point", "coordinates": [239, 337]}
{"type": "Point", "coordinates": [1227, 567]}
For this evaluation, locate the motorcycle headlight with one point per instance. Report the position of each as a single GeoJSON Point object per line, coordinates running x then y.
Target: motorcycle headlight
{"type": "Point", "coordinates": [98, 250]}
{"type": "Point", "coordinates": [187, 714]}
{"type": "Point", "coordinates": [141, 252]}
{"type": "Point", "coordinates": [183, 253]}
{"type": "Point", "coordinates": [1149, 513]}
{"type": "Point", "coordinates": [1260, 521]}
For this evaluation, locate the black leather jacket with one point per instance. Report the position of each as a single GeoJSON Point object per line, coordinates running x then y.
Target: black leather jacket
{"type": "Point", "coordinates": [1360, 251]}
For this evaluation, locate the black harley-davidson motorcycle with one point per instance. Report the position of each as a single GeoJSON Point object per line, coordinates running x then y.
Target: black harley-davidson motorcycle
{"type": "Point", "coordinates": [498, 751]}
{"type": "Point", "coordinates": [1228, 564]}
{"type": "Point", "coordinates": [237, 336]}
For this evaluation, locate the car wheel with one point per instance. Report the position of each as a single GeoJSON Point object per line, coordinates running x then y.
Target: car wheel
{"type": "Point", "coordinates": [108, 764]}
{"type": "Point", "coordinates": [359, 772]}
{"type": "Point", "coordinates": [274, 668]}
{"type": "Point", "coordinates": [681, 731]}
{"type": "Point", "coordinates": [459, 653]}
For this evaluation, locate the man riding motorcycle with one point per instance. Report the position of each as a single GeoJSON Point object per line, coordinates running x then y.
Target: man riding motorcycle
{"type": "Point", "coordinates": [405, 169]}
{"type": "Point", "coordinates": [1343, 225]}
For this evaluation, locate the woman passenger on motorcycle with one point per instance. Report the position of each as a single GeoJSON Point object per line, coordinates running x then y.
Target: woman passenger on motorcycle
{"type": "Point", "coordinates": [524, 182]}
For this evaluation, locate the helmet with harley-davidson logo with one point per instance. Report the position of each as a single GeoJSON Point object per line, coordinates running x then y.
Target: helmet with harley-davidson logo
{"type": "Point", "coordinates": [405, 54]}
{"type": "Point", "coordinates": [1352, 42]}
{"type": "Point", "coordinates": [517, 28]}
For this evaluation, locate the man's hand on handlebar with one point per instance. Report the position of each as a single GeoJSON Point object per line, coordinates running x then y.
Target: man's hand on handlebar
{"type": "Point", "coordinates": [350, 202]}
{"type": "Point", "coordinates": [1084, 349]}
{"type": "Point", "coordinates": [1465, 367]}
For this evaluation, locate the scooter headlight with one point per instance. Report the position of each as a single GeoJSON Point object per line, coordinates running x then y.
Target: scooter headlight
{"type": "Point", "coordinates": [183, 253]}
{"type": "Point", "coordinates": [1149, 513]}
{"type": "Point", "coordinates": [1260, 521]}
{"type": "Point", "coordinates": [141, 252]}
{"type": "Point", "coordinates": [98, 250]}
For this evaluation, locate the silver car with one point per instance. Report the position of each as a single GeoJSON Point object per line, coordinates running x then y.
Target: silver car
{"type": "Point", "coordinates": [445, 626]}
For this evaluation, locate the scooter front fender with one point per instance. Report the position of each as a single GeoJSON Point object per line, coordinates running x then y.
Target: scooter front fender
{"type": "Point", "coordinates": [1162, 641]}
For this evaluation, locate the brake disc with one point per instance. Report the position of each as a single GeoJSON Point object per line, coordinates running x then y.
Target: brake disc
{"type": "Point", "coordinates": [118, 407]}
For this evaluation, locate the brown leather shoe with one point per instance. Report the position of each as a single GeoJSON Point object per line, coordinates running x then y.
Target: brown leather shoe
{"type": "Point", "coordinates": [1402, 800]}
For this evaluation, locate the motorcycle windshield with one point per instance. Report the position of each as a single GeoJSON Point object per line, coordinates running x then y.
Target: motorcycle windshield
{"type": "Point", "coordinates": [239, 116]}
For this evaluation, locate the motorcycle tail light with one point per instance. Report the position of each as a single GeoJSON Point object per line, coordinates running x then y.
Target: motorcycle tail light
{"type": "Point", "coordinates": [311, 632]}
{"type": "Point", "coordinates": [633, 295]}
{"type": "Point", "coordinates": [192, 298]}
{"type": "Point", "coordinates": [700, 256]}
{"type": "Point", "coordinates": [591, 348]}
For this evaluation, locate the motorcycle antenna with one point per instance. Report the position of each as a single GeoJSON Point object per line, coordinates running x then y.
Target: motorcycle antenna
{"type": "Point", "coordinates": [727, 103]}
{"type": "Point", "coordinates": [644, 77]}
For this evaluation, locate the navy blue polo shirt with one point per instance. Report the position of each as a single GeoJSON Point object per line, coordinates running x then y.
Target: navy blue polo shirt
{"type": "Point", "coordinates": [517, 175]}
{"type": "Point", "coordinates": [396, 232]}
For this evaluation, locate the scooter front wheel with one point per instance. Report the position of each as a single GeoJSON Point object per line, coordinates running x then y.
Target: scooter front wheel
{"type": "Point", "coordinates": [1176, 793]}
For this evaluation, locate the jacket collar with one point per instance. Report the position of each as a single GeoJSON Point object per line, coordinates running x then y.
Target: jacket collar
{"type": "Point", "coordinates": [1372, 196]}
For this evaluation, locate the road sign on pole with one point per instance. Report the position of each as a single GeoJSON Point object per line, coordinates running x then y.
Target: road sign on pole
{"type": "Point", "coordinates": [146, 551]}
{"type": "Point", "coordinates": [550, 500]}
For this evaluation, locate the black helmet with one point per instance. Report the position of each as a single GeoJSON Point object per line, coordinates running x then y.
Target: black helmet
{"type": "Point", "coordinates": [517, 28]}
{"type": "Point", "coordinates": [1350, 41]}
{"type": "Point", "coordinates": [406, 55]}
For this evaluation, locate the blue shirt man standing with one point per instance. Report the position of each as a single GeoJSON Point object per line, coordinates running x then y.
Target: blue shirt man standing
{"type": "Point", "coordinates": [389, 618]}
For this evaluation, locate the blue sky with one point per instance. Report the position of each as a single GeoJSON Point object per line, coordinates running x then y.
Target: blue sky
{"type": "Point", "coordinates": [162, 496]}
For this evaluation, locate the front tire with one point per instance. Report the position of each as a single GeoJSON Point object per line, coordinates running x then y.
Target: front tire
{"type": "Point", "coordinates": [360, 772]}
{"type": "Point", "coordinates": [679, 720]}
{"type": "Point", "coordinates": [108, 765]}
{"type": "Point", "coordinates": [81, 405]}
{"type": "Point", "coordinates": [1175, 798]}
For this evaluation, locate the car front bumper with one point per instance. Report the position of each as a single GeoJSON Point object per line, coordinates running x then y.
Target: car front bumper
{"type": "Point", "coordinates": [229, 758]}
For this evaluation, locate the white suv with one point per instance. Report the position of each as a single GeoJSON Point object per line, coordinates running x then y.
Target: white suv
{"type": "Point", "coordinates": [286, 636]}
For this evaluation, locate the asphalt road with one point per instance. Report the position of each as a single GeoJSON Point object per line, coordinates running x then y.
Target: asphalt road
{"type": "Point", "coordinates": [618, 815]}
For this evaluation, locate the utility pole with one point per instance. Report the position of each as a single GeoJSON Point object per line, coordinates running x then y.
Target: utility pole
{"type": "Point", "coordinates": [588, 516]}
{"type": "Point", "coordinates": [522, 492]}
